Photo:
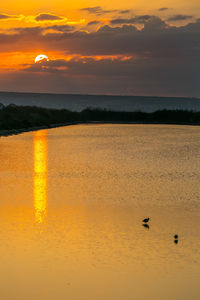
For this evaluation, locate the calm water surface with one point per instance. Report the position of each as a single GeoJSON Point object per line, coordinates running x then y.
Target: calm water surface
{"type": "Point", "coordinates": [71, 204]}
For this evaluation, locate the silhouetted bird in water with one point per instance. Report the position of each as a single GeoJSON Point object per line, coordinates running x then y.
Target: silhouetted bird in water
{"type": "Point", "coordinates": [146, 226]}
{"type": "Point", "coordinates": [146, 220]}
{"type": "Point", "coordinates": [176, 238]}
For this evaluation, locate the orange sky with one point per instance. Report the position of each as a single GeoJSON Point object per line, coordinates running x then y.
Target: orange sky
{"type": "Point", "coordinates": [60, 6]}
{"type": "Point", "coordinates": [62, 31]}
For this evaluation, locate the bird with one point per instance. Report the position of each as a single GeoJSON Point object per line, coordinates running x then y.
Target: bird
{"type": "Point", "coordinates": [176, 236]}
{"type": "Point", "coordinates": [146, 220]}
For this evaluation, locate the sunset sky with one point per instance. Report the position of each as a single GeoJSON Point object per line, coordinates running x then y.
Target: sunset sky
{"type": "Point", "coordinates": [101, 47]}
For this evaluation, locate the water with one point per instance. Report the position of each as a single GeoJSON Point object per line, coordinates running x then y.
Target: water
{"type": "Point", "coordinates": [71, 205]}
{"type": "Point", "coordinates": [117, 103]}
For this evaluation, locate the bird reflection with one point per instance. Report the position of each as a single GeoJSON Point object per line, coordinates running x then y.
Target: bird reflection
{"type": "Point", "coordinates": [146, 226]}
{"type": "Point", "coordinates": [176, 239]}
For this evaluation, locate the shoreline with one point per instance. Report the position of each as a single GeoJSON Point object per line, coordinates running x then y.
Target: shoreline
{"type": "Point", "coordinates": [10, 132]}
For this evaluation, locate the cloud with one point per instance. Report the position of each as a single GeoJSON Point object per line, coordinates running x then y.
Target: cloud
{"type": "Point", "coordinates": [163, 8]}
{"type": "Point", "coordinates": [114, 31]}
{"type": "Point", "coordinates": [3, 17]}
{"type": "Point", "coordinates": [85, 66]}
{"type": "Point", "coordinates": [48, 17]}
{"type": "Point", "coordinates": [6, 17]}
{"type": "Point", "coordinates": [97, 10]}
{"type": "Point", "coordinates": [92, 10]}
{"type": "Point", "coordinates": [155, 38]}
{"type": "Point", "coordinates": [179, 18]}
{"type": "Point", "coordinates": [153, 76]}
{"type": "Point", "coordinates": [95, 22]}
{"type": "Point", "coordinates": [159, 58]}
{"type": "Point", "coordinates": [41, 19]}
{"type": "Point", "coordinates": [60, 28]}
{"type": "Point", "coordinates": [135, 20]}
{"type": "Point", "coordinates": [22, 32]}
{"type": "Point", "coordinates": [156, 24]}
{"type": "Point", "coordinates": [125, 11]}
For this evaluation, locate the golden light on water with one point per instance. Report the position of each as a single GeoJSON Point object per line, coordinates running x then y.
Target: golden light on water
{"type": "Point", "coordinates": [40, 174]}
{"type": "Point", "coordinates": [80, 226]}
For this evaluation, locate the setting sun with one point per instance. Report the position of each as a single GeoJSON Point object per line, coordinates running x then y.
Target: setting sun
{"type": "Point", "coordinates": [41, 57]}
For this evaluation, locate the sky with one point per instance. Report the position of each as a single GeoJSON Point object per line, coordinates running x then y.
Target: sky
{"type": "Point", "coordinates": [101, 47]}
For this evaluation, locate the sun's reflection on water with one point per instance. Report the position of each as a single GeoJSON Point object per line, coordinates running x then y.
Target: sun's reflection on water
{"type": "Point", "coordinates": [40, 175]}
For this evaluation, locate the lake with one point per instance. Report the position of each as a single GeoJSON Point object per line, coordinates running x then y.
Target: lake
{"type": "Point", "coordinates": [71, 209]}
{"type": "Point", "coordinates": [117, 103]}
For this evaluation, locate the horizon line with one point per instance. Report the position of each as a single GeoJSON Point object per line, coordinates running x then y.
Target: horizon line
{"type": "Point", "coordinates": [103, 95]}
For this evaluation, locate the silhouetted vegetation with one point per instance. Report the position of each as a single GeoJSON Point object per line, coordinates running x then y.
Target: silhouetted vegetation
{"type": "Point", "coordinates": [23, 117]}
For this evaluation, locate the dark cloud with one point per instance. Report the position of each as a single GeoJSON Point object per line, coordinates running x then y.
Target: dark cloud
{"type": "Point", "coordinates": [92, 10]}
{"type": "Point", "coordinates": [95, 22]}
{"type": "Point", "coordinates": [119, 21]}
{"type": "Point", "coordinates": [85, 66]}
{"type": "Point", "coordinates": [47, 66]}
{"type": "Point", "coordinates": [153, 76]}
{"type": "Point", "coordinates": [156, 37]}
{"type": "Point", "coordinates": [4, 17]}
{"type": "Point", "coordinates": [125, 11]}
{"type": "Point", "coordinates": [47, 17]}
{"type": "Point", "coordinates": [155, 24]}
{"type": "Point", "coordinates": [135, 20]}
{"type": "Point", "coordinates": [179, 18]}
{"type": "Point", "coordinates": [157, 59]}
{"type": "Point", "coordinates": [108, 30]}
{"type": "Point", "coordinates": [163, 8]}
{"type": "Point", "coordinates": [97, 10]}
{"type": "Point", "coordinates": [60, 28]}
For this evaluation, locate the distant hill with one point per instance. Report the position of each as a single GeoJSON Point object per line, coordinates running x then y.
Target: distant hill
{"type": "Point", "coordinates": [114, 103]}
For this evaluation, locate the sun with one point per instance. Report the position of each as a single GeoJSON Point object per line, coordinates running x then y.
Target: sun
{"type": "Point", "coordinates": [41, 57]}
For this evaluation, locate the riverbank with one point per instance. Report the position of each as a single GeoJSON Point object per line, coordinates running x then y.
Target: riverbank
{"type": "Point", "coordinates": [5, 133]}
{"type": "Point", "coordinates": [19, 119]}
{"type": "Point", "coordinates": [22, 130]}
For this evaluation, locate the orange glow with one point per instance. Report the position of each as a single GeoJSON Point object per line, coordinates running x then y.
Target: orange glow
{"type": "Point", "coordinates": [20, 61]}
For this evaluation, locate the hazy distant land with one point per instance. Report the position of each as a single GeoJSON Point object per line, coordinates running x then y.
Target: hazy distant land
{"type": "Point", "coordinates": [114, 103]}
{"type": "Point", "coordinates": [15, 119]}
